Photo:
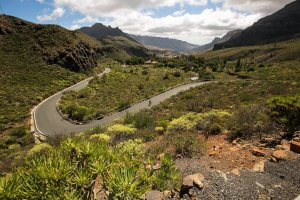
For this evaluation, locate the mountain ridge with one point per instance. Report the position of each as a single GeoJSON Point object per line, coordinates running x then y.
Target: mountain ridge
{"type": "Point", "coordinates": [217, 40]}
{"type": "Point", "coordinates": [114, 39]}
{"type": "Point", "coordinates": [279, 26]}
{"type": "Point", "coordinates": [164, 43]}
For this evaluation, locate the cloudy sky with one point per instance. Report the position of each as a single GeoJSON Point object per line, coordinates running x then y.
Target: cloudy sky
{"type": "Point", "coordinates": [195, 21]}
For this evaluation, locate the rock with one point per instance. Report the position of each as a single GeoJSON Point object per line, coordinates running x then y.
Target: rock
{"type": "Point", "coordinates": [246, 146]}
{"type": "Point", "coordinates": [233, 149]}
{"type": "Point", "coordinates": [154, 195]}
{"type": "Point", "coordinates": [280, 155]}
{"type": "Point", "coordinates": [270, 141]}
{"type": "Point", "coordinates": [295, 146]}
{"type": "Point", "coordinates": [193, 180]}
{"type": "Point", "coordinates": [260, 185]}
{"type": "Point", "coordinates": [258, 152]}
{"type": "Point", "coordinates": [236, 141]}
{"type": "Point", "coordinates": [297, 139]}
{"type": "Point", "coordinates": [263, 145]}
{"type": "Point", "coordinates": [167, 193]}
{"type": "Point", "coordinates": [285, 143]}
{"type": "Point", "coordinates": [213, 152]}
{"type": "Point", "coordinates": [259, 167]}
{"type": "Point", "coordinates": [222, 175]}
{"type": "Point", "coordinates": [279, 147]}
{"type": "Point", "coordinates": [98, 191]}
{"type": "Point", "coordinates": [157, 166]}
{"type": "Point", "coordinates": [236, 172]}
{"type": "Point", "coordinates": [273, 159]}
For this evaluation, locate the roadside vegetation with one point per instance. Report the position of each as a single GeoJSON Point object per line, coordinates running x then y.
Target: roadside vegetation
{"type": "Point", "coordinates": [118, 90]}
{"type": "Point", "coordinates": [78, 166]}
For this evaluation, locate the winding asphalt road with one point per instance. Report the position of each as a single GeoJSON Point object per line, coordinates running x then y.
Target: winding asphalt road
{"type": "Point", "coordinates": [49, 122]}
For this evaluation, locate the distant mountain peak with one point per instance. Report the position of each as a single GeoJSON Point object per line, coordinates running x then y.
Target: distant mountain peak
{"type": "Point", "coordinates": [218, 40]}
{"type": "Point", "coordinates": [164, 43]}
{"type": "Point", "coordinates": [100, 31]}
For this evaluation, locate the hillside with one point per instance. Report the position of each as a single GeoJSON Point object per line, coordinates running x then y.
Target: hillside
{"type": "Point", "coordinates": [53, 44]}
{"type": "Point", "coordinates": [282, 25]}
{"type": "Point", "coordinates": [35, 62]}
{"type": "Point", "coordinates": [116, 43]}
{"type": "Point", "coordinates": [217, 40]}
{"type": "Point", "coordinates": [164, 43]}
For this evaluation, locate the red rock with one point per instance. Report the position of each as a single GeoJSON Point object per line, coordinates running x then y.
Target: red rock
{"type": "Point", "coordinates": [280, 155]}
{"type": "Point", "coordinates": [295, 146]}
{"type": "Point", "coordinates": [258, 152]}
{"type": "Point", "coordinates": [259, 167]}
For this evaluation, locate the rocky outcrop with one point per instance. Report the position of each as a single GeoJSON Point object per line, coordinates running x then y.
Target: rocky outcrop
{"type": "Point", "coordinates": [52, 43]}
{"type": "Point", "coordinates": [77, 58]}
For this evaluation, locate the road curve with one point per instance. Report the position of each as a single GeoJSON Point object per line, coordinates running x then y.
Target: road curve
{"type": "Point", "coordinates": [49, 122]}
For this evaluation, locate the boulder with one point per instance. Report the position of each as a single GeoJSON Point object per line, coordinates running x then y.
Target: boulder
{"type": "Point", "coordinates": [193, 180]}
{"type": "Point", "coordinates": [295, 146]}
{"type": "Point", "coordinates": [280, 155]}
{"type": "Point", "coordinates": [154, 195]}
{"type": "Point", "coordinates": [258, 152]}
{"type": "Point", "coordinates": [259, 167]}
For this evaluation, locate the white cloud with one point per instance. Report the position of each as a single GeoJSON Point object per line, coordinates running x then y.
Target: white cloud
{"type": "Point", "coordinates": [137, 16]}
{"type": "Point", "coordinates": [40, 1]}
{"type": "Point", "coordinates": [197, 2]}
{"type": "Point", "coordinates": [57, 13]}
{"type": "Point", "coordinates": [74, 27]}
{"type": "Point", "coordinates": [103, 7]}
{"type": "Point", "coordinates": [263, 7]}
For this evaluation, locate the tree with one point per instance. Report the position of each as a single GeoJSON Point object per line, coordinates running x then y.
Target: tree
{"type": "Point", "coordinates": [238, 65]}
{"type": "Point", "coordinates": [285, 111]}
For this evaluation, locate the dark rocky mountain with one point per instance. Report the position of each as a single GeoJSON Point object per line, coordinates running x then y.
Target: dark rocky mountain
{"type": "Point", "coordinates": [100, 31]}
{"type": "Point", "coordinates": [52, 43]}
{"type": "Point", "coordinates": [115, 41]}
{"type": "Point", "coordinates": [164, 43]}
{"type": "Point", "coordinates": [280, 26]}
{"type": "Point", "coordinates": [218, 40]}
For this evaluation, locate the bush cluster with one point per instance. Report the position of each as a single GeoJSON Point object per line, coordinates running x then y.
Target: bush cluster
{"type": "Point", "coordinates": [69, 171]}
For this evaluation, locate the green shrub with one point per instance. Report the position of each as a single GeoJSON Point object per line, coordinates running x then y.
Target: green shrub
{"type": "Point", "coordinates": [185, 122]}
{"type": "Point", "coordinates": [186, 144]}
{"type": "Point", "coordinates": [285, 111]}
{"type": "Point", "coordinates": [140, 120]}
{"type": "Point", "coordinates": [19, 132]}
{"type": "Point", "coordinates": [123, 105]}
{"type": "Point", "coordinates": [248, 122]}
{"type": "Point", "coordinates": [121, 132]}
{"type": "Point", "coordinates": [168, 176]}
{"type": "Point", "coordinates": [39, 148]}
{"type": "Point", "coordinates": [101, 137]}
{"type": "Point", "coordinates": [68, 171]}
{"type": "Point", "coordinates": [131, 147]}
{"type": "Point", "coordinates": [204, 75]}
{"type": "Point", "coordinates": [211, 121]}
{"type": "Point", "coordinates": [11, 140]}
{"type": "Point", "coordinates": [177, 74]}
{"type": "Point", "coordinates": [160, 129]}
{"type": "Point", "coordinates": [76, 112]}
